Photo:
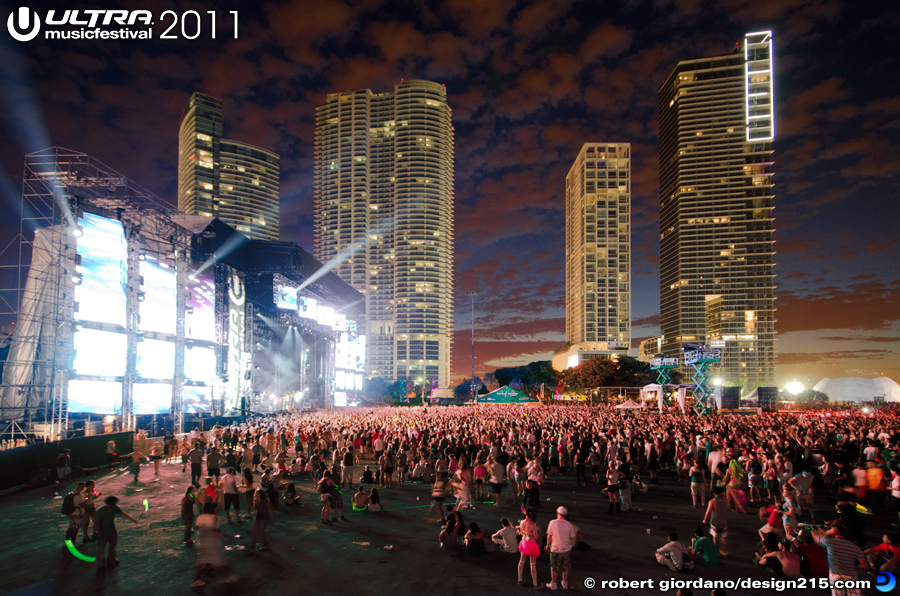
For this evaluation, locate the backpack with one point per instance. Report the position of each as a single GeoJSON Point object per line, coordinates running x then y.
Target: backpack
{"type": "Point", "coordinates": [68, 506]}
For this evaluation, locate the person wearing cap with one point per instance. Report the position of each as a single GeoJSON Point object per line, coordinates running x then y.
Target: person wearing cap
{"type": "Point", "coordinates": [562, 537]}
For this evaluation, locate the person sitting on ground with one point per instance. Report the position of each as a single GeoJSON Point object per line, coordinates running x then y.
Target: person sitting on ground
{"type": "Point", "coordinates": [427, 474]}
{"type": "Point", "coordinates": [418, 470]}
{"type": "Point", "coordinates": [449, 543]}
{"type": "Point", "coordinates": [505, 538]}
{"type": "Point", "coordinates": [374, 500]}
{"type": "Point", "coordinates": [885, 556]}
{"type": "Point", "coordinates": [673, 555]}
{"type": "Point", "coordinates": [474, 540]}
{"type": "Point", "coordinates": [368, 477]}
{"type": "Point", "coordinates": [784, 563]}
{"type": "Point", "coordinates": [703, 550]}
{"type": "Point", "coordinates": [360, 499]}
{"type": "Point", "coordinates": [290, 495]}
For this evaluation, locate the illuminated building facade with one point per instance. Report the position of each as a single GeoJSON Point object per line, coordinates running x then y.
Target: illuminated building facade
{"type": "Point", "coordinates": [716, 127]}
{"type": "Point", "coordinates": [598, 255]}
{"type": "Point", "coordinates": [384, 216]}
{"type": "Point", "coordinates": [237, 182]}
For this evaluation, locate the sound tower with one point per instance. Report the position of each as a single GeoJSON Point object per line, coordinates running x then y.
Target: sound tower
{"type": "Point", "coordinates": [768, 398]}
{"type": "Point", "coordinates": [731, 398]}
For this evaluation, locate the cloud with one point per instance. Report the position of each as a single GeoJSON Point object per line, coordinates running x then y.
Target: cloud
{"type": "Point", "coordinates": [827, 357]}
{"type": "Point", "coordinates": [861, 338]}
{"type": "Point", "coordinates": [651, 321]}
{"type": "Point", "coordinates": [867, 306]}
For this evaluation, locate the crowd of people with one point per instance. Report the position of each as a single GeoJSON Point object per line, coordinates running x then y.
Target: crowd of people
{"type": "Point", "coordinates": [785, 468]}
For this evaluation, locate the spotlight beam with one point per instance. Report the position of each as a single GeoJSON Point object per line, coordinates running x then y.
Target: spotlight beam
{"type": "Point", "coordinates": [349, 251]}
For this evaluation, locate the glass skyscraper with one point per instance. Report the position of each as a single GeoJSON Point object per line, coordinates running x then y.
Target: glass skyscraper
{"type": "Point", "coordinates": [716, 127]}
{"type": "Point", "coordinates": [384, 219]}
{"type": "Point", "coordinates": [598, 255]}
{"type": "Point", "coordinates": [234, 181]}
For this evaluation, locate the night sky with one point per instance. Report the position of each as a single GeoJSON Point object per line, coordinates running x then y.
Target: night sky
{"type": "Point", "coordinates": [529, 83]}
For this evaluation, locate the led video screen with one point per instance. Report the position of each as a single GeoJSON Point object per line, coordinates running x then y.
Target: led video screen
{"type": "Point", "coordinates": [286, 297]}
{"type": "Point", "coordinates": [152, 398]}
{"type": "Point", "coordinates": [200, 318]}
{"type": "Point", "coordinates": [307, 307]}
{"type": "Point", "coordinates": [157, 308]}
{"type": "Point", "coordinates": [196, 400]}
{"type": "Point", "coordinates": [156, 359]}
{"type": "Point", "coordinates": [95, 397]}
{"type": "Point", "coordinates": [340, 399]}
{"type": "Point", "coordinates": [99, 353]}
{"type": "Point", "coordinates": [200, 365]}
{"type": "Point", "coordinates": [100, 289]}
{"type": "Point", "coordinates": [325, 316]}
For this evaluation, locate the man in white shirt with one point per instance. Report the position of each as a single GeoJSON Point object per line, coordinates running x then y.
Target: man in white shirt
{"type": "Point", "coordinates": [505, 539]}
{"type": "Point", "coordinates": [673, 555]}
{"type": "Point", "coordinates": [562, 536]}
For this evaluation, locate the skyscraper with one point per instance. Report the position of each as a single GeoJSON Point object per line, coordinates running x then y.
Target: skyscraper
{"type": "Point", "coordinates": [716, 127]}
{"type": "Point", "coordinates": [384, 215]}
{"type": "Point", "coordinates": [234, 181]}
{"type": "Point", "coordinates": [598, 255]}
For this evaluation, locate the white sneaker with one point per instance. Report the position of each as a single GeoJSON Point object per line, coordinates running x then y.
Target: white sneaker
{"type": "Point", "coordinates": [552, 586]}
{"type": "Point", "coordinates": [565, 586]}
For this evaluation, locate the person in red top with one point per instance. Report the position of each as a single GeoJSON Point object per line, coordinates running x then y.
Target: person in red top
{"type": "Point", "coordinates": [813, 562]}
{"type": "Point", "coordinates": [885, 556]}
{"type": "Point", "coordinates": [774, 523]}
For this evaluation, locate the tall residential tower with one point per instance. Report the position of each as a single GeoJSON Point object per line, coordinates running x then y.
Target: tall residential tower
{"type": "Point", "coordinates": [716, 127]}
{"type": "Point", "coordinates": [234, 181]}
{"type": "Point", "coordinates": [598, 255]}
{"type": "Point", "coordinates": [384, 217]}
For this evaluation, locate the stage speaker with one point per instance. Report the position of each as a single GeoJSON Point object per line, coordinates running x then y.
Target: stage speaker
{"type": "Point", "coordinates": [768, 398]}
{"type": "Point", "coordinates": [731, 398]}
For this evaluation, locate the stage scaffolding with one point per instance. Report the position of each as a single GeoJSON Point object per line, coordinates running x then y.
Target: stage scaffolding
{"type": "Point", "coordinates": [37, 281]}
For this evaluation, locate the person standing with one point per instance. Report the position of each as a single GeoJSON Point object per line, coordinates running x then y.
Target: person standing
{"type": "Point", "coordinates": [843, 557]}
{"type": "Point", "coordinates": [187, 513]}
{"type": "Point", "coordinates": [195, 457]}
{"type": "Point", "coordinates": [90, 509]}
{"type": "Point", "coordinates": [562, 537]}
{"type": "Point", "coordinates": [111, 452]}
{"type": "Point", "coordinates": [106, 523]}
{"type": "Point", "coordinates": [232, 496]}
{"type": "Point", "coordinates": [156, 457]}
{"type": "Point", "coordinates": [64, 467]}
{"type": "Point", "coordinates": [136, 457]}
{"type": "Point", "coordinates": [73, 506]}
{"type": "Point", "coordinates": [698, 484]}
{"type": "Point", "coordinates": [717, 518]}
{"type": "Point", "coordinates": [258, 532]}
{"type": "Point", "coordinates": [529, 547]}
{"type": "Point", "coordinates": [213, 463]}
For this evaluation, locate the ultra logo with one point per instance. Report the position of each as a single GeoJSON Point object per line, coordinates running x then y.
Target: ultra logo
{"type": "Point", "coordinates": [20, 20]}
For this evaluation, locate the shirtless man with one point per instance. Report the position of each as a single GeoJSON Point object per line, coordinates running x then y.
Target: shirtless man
{"type": "Point", "coordinates": [136, 457]}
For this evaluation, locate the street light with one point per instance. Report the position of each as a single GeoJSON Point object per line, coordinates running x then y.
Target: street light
{"type": "Point", "coordinates": [472, 295]}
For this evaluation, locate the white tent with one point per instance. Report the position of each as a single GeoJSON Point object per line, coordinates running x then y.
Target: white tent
{"type": "Point", "coordinates": [859, 389]}
{"type": "Point", "coordinates": [659, 390]}
{"type": "Point", "coordinates": [630, 405]}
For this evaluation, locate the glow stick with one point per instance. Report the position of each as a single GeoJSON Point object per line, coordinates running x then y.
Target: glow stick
{"type": "Point", "coordinates": [78, 554]}
{"type": "Point", "coordinates": [146, 505]}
